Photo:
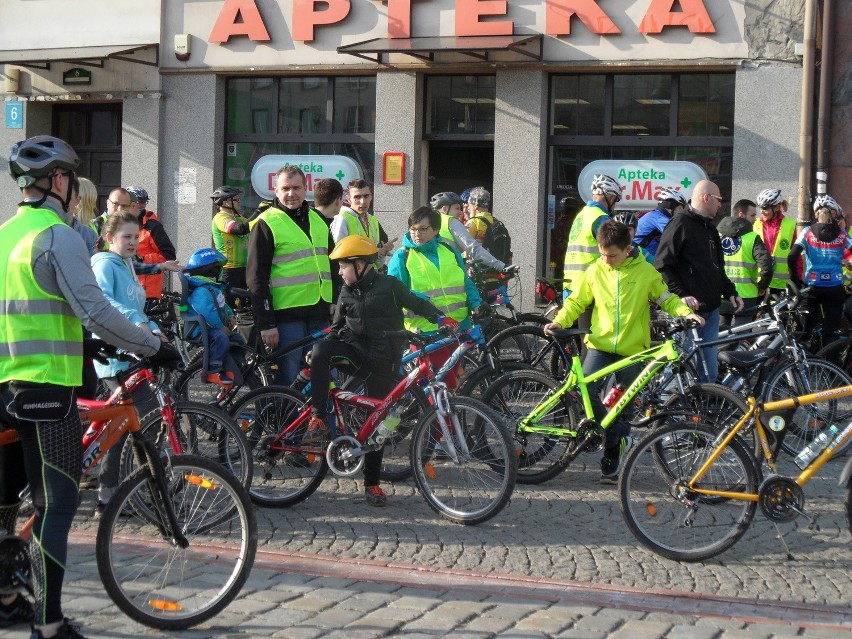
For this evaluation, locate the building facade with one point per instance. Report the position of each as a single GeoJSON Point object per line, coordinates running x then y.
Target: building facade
{"type": "Point", "coordinates": [419, 97]}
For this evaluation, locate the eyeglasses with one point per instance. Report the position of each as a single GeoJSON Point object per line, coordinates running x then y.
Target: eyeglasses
{"type": "Point", "coordinates": [419, 229]}
{"type": "Point", "coordinates": [118, 205]}
{"type": "Point", "coordinates": [718, 197]}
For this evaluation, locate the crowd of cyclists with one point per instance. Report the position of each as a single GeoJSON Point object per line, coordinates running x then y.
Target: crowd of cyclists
{"type": "Point", "coordinates": [304, 267]}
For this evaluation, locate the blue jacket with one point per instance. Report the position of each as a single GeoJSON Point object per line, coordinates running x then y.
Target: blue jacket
{"type": "Point", "coordinates": [398, 269]}
{"type": "Point", "coordinates": [650, 228]}
{"type": "Point", "coordinates": [122, 288]}
{"type": "Point", "coordinates": [207, 299]}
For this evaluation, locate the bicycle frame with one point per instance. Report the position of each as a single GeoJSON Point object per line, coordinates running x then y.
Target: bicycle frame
{"type": "Point", "coordinates": [754, 411]}
{"type": "Point", "coordinates": [656, 357]}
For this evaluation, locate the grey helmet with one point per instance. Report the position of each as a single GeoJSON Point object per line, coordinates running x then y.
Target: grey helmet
{"type": "Point", "coordinates": [225, 193]}
{"type": "Point", "coordinates": [827, 202]}
{"type": "Point", "coordinates": [38, 157]}
{"type": "Point", "coordinates": [445, 198]}
{"type": "Point", "coordinates": [671, 194]}
{"type": "Point", "coordinates": [606, 185]}
{"type": "Point", "coordinates": [768, 198]}
{"type": "Point", "coordinates": [140, 194]}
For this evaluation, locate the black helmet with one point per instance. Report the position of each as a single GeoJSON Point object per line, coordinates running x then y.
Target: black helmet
{"type": "Point", "coordinates": [225, 193]}
{"type": "Point", "coordinates": [139, 194]}
{"type": "Point", "coordinates": [445, 198]}
{"type": "Point", "coordinates": [628, 218]}
{"type": "Point", "coordinates": [39, 156]}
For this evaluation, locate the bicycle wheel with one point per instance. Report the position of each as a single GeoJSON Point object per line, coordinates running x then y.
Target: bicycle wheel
{"type": "Point", "coordinates": [202, 430]}
{"type": "Point", "coordinates": [789, 380]}
{"type": "Point", "coordinates": [671, 520]}
{"type": "Point", "coordinates": [285, 471]}
{"type": "Point", "coordinates": [190, 384]}
{"type": "Point", "coordinates": [714, 405]}
{"type": "Point", "coordinates": [838, 352]}
{"type": "Point", "coordinates": [472, 480]}
{"type": "Point", "coordinates": [154, 580]}
{"type": "Point", "coordinates": [475, 382]}
{"type": "Point", "coordinates": [514, 396]}
{"type": "Point", "coordinates": [527, 344]}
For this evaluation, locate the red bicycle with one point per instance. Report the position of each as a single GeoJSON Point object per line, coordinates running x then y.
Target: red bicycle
{"type": "Point", "coordinates": [462, 458]}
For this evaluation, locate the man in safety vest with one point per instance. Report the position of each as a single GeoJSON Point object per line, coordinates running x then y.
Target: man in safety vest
{"type": "Point", "coordinates": [288, 270]}
{"type": "Point", "coordinates": [778, 233]}
{"type": "Point", "coordinates": [747, 262]}
{"type": "Point", "coordinates": [154, 245]}
{"type": "Point", "coordinates": [434, 269]}
{"type": "Point", "coordinates": [356, 219]}
{"type": "Point", "coordinates": [48, 294]}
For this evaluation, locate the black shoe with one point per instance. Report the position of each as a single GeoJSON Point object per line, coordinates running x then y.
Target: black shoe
{"type": "Point", "coordinates": [18, 611]}
{"type": "Point", "coordinates": [66, 631]}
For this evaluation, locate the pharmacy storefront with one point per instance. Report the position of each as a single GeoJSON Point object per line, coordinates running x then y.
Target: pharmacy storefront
{"type": "Point", "coordinates": [422, 97]}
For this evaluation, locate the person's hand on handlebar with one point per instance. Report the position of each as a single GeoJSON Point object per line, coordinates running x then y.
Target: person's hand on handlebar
{"type": "Point", "coordinates": [448, 323]}
{"type": "Point", "coordinates": [553, 326]}
{"type": "Point", "coordinates": [511, 269]}
{"type": "Point", "coordinates": [695, 318]}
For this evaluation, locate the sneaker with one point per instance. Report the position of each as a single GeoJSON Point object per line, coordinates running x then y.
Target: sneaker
{"type": "Point", "coordinates": [375, 496]}
{"type": "Point", "coordinates": [66, 631]}
{"type": "Point", "coordinates": [100, 507]}
{"type": "Point", "coordinates": [317, 431]}
{"type": "Point", "coordinates": [18, 611]}
{"type": "Point", "coordinates": [611, 465]}
{"type": "Point", "coordinates": [225, 380]}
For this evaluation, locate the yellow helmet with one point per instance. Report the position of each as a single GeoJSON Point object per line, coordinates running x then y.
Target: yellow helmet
{"type": "Point", "coordinates": [355, 247]}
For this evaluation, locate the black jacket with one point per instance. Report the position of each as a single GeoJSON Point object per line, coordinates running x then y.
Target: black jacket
{"type": "Point", "coordinates": [367, 309]}
{"type": "Point", "coordinates": [691, 260]}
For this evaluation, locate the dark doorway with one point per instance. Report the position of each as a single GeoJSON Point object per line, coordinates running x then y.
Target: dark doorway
{"type": "Point", "coordinates": [94, 130]}
{"type": "Point", "coordinates": [457, 166]}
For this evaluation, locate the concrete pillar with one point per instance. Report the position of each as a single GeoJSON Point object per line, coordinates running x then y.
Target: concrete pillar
{"type": "Point", "coordinates": [520, 178]}
{"type": "Point", "coordinates": [140, 143]}
{"type": "Point", "coordinates": [191, 152]}
{"type": "Point", "coordinates": [399, 127]}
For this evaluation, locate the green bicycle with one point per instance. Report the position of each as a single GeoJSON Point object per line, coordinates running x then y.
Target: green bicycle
{"type": "Point", "coordinates": [553, 422]}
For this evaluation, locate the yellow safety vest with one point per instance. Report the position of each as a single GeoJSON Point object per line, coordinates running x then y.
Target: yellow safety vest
{"type": "Point", "coordinates": [41, 339]}
{"type": "Point", "coordinates": [444, 286]}
{"type": "Point", "coordinates": [582, 247]}
{"type": "Point", "coordinates": [445, 229]}
{"type": "Point", "coordinates": [301, 272]}
{"type": "Point", "coordinates": [783, 244]}
{"type": "Point", "coordinates": [354, 226]}
{"type": "Point", "coordinates": [741, 266]}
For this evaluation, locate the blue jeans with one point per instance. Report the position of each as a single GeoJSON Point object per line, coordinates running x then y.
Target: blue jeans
{"type": "Point", "coordinates": [593, 362]}
{"type": "Point", "coordinates": [709, 332]}
{"type": "Point", "coordinates": [218, 344]}
{"type": "Point", "coordinates": [290, 364]}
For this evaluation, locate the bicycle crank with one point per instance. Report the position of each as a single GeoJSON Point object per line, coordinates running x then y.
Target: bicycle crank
{"type": "Point", "coordinates": [345, 456]}
{"type": "Point", "coordinates": [781, 499]}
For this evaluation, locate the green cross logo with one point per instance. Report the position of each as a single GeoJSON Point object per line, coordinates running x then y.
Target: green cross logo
{"type": "Point", "coordinates": [339, 175]}
{"type": "Point", "coordinates": [685, 182]}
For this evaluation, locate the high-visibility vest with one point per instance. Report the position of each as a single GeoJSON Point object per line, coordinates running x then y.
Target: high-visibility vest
{"type": "Point", "coordinates": [445, 229]}
{"type": "Point", "coordinates": [783, 244]}
{"type": "Point", "coordinates": [354, 226]}
{"type": "Point", "coordinates": [301, 272]}
{"type": "Point", "coordinates": [444, 286]}
{"type": "Point", "coordinates": [41, 339]}
{"type": "Point", "coordinates": [740, 266]}
{"type": "Point", "coordinates": [582, 247]}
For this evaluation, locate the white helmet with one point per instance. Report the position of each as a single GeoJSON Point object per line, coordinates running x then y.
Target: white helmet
{"type": "Point", "coordinates": [605, 185]}
{"type": "Point", "coordinates": [768, 198]}
{"type": "Point", "coordinates": [671, 194]}
{"type": "Point", "coordinates": [827, 202]}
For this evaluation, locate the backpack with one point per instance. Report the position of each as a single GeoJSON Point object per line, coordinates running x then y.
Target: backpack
{"type": "Point", "coordinates": [497, 240]}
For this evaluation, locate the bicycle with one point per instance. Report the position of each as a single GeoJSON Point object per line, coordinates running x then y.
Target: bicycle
{"type": "Point", "coordinates": [553, 422]}
{"type": "Point", "coordinates": [461, 457]}
{"type": "Point", "coordinates": [689, 491]}
{"type": "Point", "coordinates": [153, 562]}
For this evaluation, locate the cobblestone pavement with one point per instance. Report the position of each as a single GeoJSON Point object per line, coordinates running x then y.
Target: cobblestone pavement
{"type": "Point", "coordinates": [558, 562]}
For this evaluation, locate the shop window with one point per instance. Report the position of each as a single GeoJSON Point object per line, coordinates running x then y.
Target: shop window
{"type": "Point", "coordinates": [460, 105]}
{"type": "Point", "coordinates": [355, 105]}
{"type": "Point", "coordinates": [578, 105]}
{"type": "Point", "coordinates": [706, 105]}
{"type": "Point", "coordinates": [249, 105]}
{"type": "Point", "coordinates": [641, 104]}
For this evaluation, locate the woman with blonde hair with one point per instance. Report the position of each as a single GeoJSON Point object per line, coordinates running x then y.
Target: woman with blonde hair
{"type": "Point", "coordinates": [87, 208]}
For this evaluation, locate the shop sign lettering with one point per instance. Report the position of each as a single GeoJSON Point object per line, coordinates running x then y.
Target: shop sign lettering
{"type": "Point", "coordinates": [472, 18]}
{"type": "Point", "coordinates": [315, 167]}
{"type": "Point", "coordinates": [642, 180]}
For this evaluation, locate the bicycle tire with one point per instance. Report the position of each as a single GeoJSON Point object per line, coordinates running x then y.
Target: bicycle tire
{"type": "Point", "coordinates": [285, 471]}
{"type": "Point", "coordinates": [514, 395]}
{"type": "Point", "coordinates": [527, 344]}
{"type": "Point", "coordinates": [694, 528]}
{"type": "Point", "coordinates": [204, 430]}
{"type": "Point", "coordinates": [190, 386]}
{"type": "Point", "coordinates": [152, 579]}
{"type": "Point", "coordinates": [475, 382]}
{"type": "Point", "coordinates": [477, 486]}
{"type": "Point", "coordinates": [838, 352]}
{"type": "Point", "coordinates": [716, 405]}
{"type": "Point", "coordinates": [811, 420]}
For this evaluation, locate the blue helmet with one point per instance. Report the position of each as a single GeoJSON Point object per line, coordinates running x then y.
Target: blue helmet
{"type": "Point", "coordinates": [205, 257]}
{"type": "Point", "coordinates": [466, 194]}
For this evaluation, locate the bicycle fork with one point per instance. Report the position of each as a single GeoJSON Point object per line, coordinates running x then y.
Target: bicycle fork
{"type": "Point", "coordinates": [453, 441]}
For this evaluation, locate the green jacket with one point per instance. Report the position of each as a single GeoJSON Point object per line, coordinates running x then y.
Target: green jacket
{"type": "Point", "coordinates": [621, 314]}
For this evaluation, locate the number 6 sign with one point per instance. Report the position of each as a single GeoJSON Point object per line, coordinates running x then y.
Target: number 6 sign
{"type": "Point", "coordinates": [14, 115]}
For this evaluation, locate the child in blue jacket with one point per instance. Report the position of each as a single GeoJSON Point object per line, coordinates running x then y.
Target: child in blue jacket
{"type": "Point", "coordinates": [207, 299]}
